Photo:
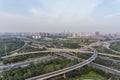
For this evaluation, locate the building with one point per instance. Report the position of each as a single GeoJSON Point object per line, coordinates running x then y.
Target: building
{"type": "Point", "coordinates": [97, 33]}
{"type": "Point", "coordinates": [36, 37]}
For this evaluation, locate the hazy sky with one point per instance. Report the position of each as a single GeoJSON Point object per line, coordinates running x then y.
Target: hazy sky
{"type": "Point", "coordinates": [59, 15]}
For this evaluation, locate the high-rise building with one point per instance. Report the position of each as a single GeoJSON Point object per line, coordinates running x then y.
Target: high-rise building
{"type": "Point", "coordinates": [97, 33]}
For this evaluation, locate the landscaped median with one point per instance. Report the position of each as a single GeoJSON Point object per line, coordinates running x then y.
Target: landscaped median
{"type": "Point", "coordinates": [22, 58]}
{"type": "Point", "coordinates": [37, 69]}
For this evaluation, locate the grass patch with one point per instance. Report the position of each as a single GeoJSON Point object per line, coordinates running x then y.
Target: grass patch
{"type": "Point", "coordinates": [89, 76]}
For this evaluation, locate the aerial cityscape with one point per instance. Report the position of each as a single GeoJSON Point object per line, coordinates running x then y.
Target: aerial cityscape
{"type": "Point", "coordinates": [59, 40]}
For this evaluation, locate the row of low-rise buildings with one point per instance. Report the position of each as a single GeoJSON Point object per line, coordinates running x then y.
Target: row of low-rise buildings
{"type": "Point", "coordinates": [56, 35]}
{"type": "Point", "coordinates": [38, 35]}
{"type": "Point", "coordinates": [66, 35]}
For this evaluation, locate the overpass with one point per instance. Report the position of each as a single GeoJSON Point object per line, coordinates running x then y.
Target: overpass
{"type": "Point", "coordinates": [65, 70]}
{"type": "Point", "coordinates": [59, 50]}
{"type": "Point", "coordinates": [45, 51]}
{"type": "Point", "coordinates": [104, 68]}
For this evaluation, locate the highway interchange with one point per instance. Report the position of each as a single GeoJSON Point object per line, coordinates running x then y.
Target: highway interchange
{"type": "Point", "coordinates": [62, 71]}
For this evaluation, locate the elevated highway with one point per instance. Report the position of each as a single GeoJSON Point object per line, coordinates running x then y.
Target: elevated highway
{"type": "Point", "coordinates": [68, 69]}
{"type": "Point", "coordinates": [104, 68]}
{"type": "Point", "coordinates": [59, 50]}
{"type": "Point", "coordinates": [48, 50]}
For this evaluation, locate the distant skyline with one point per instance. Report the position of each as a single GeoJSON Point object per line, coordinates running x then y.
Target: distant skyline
{"type": "Point", "coordinates": [60, 15]}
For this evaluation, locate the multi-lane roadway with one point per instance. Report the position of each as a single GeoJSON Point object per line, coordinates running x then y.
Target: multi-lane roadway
{"type": "Point", "coordinates": [104, 68]}
{"type": "Point", "coordinates": [68, 69]}
{"type": "Point", "coordinates": [26, 63]}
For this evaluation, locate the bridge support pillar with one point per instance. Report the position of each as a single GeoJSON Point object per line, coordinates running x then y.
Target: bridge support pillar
{"type": "Point", "coordinates": [73, 54]}
{"type": "Point", "coordinates": [78, 69]}
{"type": "Point", "coordinates": [64, 76]}
{"type": "Point", "coordinates": [51, 54]}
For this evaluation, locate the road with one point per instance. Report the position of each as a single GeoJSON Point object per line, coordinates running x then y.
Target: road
{"type": "Point", "coordinates": [19, 48]}
{"type": "Point", "coordinates": [60, 50]}
{"type": "Point", "coordinates": [65, 55]}
{"type": "Point", "coordinates": [110, 55]}
{"type": "Point", "coordinates": [26, 63]}
{"type": "Point", "coordinates": [107, 45]}
{"type": "Point", "coordinates": [104, 68]}
{"type": "Point", "coordinates": [68, 69]}
{"type": "Point", "coordinates": [48, 50]}
{"type": "Point", "coordinates": [110, 59]}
